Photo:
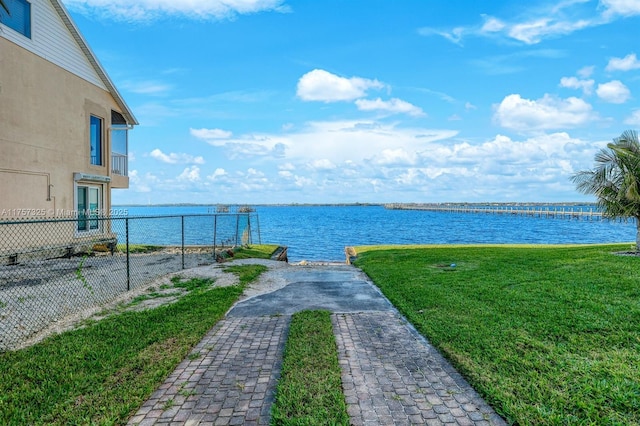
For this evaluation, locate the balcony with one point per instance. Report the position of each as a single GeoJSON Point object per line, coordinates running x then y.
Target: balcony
{"type": "Point", "coordinates": [119, 163]}
{"type": "Point", "coordinates": [119, 170]}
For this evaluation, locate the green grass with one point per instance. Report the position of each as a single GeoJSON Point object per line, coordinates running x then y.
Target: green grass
{"type": "Point", "coordinates": [193, 284]}
{"type": "Point", "coordinates": [102, 373]}
{"type": "Point", "coordinates": [246, 273]}
{"type": "Point", "coordinates": [548, 335]}
{"type": "Point", "coordinates": [309, 391]}
{"type": "Point", "coordinates": [257, 251]}
{"type": "Point", "coordinates": [148, 296]}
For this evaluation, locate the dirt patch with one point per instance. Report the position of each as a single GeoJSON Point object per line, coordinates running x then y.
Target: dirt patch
{"type": "Point", "coordinates": [627, 253]}
{"type": "Point", "coordinates": [162, 291]}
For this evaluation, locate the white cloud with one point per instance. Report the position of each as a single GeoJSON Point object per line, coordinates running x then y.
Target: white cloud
{"type": "Point", "coordinates": [395, 157]}
{"type": "Point", "coordinates": [334, 160]}
{"type": "Point", "coordinates": [208, 134]}
{"type": "Point", "coordinates": [190, 174]}
{"type": "Point", "coordinates": [541, 22]}
{"type": "Point", "coordinates": [286, 166]}
{"type": "Point", "coordinates": [147, 10]}
{"type": "Point", "coordinates": [217, 174]}
{"type": "Point", "coordinates": [455, 35]}
{"type": "Point", "coordinates": [633, 119]}
{"type": "Point", "coordinates": [335, 141]}
{"type": "Point", "coordinates": [251, 145]}
{"type": "Point", "coordinates": [175, 158]}
{"type": "Point", "coordinates": [137, 185]}
{"type": "Point", "coordinates": [613, 92]}
{"type": "Point", "coordinates": [443, 96]}
{"type": "Point", "coordinates": [533, 32]}
{"type": "Point", "coordinates": [574, 83]}
{"type": "Point", "coordinates": [629, 62]}
{"type": "Point", "coordinates": [499, 168]}
{"type": "Point", "coordinates": [492, 25]}
{"type": "Point", "coordinates": [586, 72]}
{"type": "Point", "coordinates": [320, 85]}
{"type": "Point", "coordinates": [143, 183]}
{"type": "Point", "coordinates": [621, 7]}
{"type": "Point", "coordinates": [357, 141]}
{"type": "Point", "coordinates": [538, 25]}
{"type": "Point", "coordinates": [323, 164]}
{"type": "Point", "coordinates": [502, 150]}
{"type": "Point", "coordinates": [252, 180]}
{"type": "Point", "coordinates": [515, 112]}
{"type": "Point", "coordinates": [393, 106]}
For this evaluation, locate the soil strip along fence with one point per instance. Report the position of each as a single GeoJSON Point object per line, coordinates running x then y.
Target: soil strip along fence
{"type": "Point", "coordinates": [54, 268]}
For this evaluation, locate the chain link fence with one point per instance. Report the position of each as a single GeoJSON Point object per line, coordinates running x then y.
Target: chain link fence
{"type": "Point", "coordinates": [53, 268]}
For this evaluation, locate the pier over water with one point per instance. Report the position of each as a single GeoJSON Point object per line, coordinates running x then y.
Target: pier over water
{"type": "Point", "coordinates": [551, 211]}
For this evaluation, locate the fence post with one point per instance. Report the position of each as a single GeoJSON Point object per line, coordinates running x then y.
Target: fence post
{"type": "Point", "coordinates": [237, 227]}
{"type": "Point", "coordinates": [215, 230]}
{"type": "Point", "coordinates": [126, 225]}
{"type": "Point", "coordinates": [249, 240]}
{"type": "Point", "coordinates": [182, 219]}
{"type": "Point", "coordinates": [258, 225]}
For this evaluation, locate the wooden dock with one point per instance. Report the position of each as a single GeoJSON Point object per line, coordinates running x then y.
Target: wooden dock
{"type": "Point", "coordinates": [550, 211]}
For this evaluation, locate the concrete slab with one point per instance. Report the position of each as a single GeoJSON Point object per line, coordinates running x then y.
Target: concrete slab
{"type": "Point", "coordinates": [338, 289]}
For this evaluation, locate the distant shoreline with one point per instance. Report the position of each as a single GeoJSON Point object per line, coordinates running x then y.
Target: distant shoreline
{"type": "Point", "coordinates": [253, 205]}
{"type": "Point", "coordinates": [450, 203]}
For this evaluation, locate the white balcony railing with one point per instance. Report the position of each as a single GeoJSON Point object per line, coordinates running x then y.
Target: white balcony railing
{"type": "Point", "coordinates": [119, 163]}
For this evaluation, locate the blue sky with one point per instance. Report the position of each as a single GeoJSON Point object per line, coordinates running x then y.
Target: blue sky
{"type": "Point", "coordinates": [291, 101]}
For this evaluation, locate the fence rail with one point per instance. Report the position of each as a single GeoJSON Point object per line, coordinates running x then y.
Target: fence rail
{"type": "Point", "coordinates": [51, 269]}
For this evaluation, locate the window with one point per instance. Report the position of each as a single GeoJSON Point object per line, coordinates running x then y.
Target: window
{"type": "Point", "coordinates": [96, 140]}
{"type": "Point", "coordinates": [119, 144]}
{"type": "Point", "coordinates": [88, 201]}
{"type": "Point", "coordinates": [19, 18]}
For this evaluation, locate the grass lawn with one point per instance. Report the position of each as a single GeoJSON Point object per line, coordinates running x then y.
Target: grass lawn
{"type": "Point", "coordinates": [547, 335]}
{"type": "Point", "coordinates": [309, 391]}
{"type": "Point", "coordinates": [102, 373]}
{"type": "Point", "coordinates": [255, 251]}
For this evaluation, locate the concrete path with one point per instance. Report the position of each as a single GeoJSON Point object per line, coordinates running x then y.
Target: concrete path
{"type": "Point", "coordinates": [390, 374]}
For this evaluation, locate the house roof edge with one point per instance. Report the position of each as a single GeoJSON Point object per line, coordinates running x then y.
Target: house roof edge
{"type": "Point", "coordinates": [95, 63]}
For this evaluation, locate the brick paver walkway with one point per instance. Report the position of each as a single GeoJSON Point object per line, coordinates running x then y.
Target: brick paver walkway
{"type": "Point", "coordinates": [390, 374]}
{"type": "Point", "coordinates": [229, 378]}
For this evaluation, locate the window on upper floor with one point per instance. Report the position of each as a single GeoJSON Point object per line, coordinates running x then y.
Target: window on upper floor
{"type": "Point", "coordinates": [19, 16]}
{"type": "Point", "coordinates": [95, 132]}
{"type": "Point", "coordinates": [119, 144]}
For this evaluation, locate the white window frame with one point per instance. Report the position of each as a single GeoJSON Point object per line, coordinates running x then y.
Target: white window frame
{"type": "Point", "coordinates": [99, 229]}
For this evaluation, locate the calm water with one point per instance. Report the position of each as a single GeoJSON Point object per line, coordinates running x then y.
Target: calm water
{"type": "Point", "coordinates": [317, 233]}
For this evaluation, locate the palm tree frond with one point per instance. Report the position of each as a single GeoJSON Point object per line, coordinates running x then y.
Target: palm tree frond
{"type": "Point", "coordinates": [615, 179]}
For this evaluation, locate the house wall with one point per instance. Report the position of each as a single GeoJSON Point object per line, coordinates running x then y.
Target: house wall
{"type": "Point", "coordinates": [50, 39]}
{"type": "Point", "coordinates": [44, 132]}
{"type": "Point", "coordinates": [50, 85]}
